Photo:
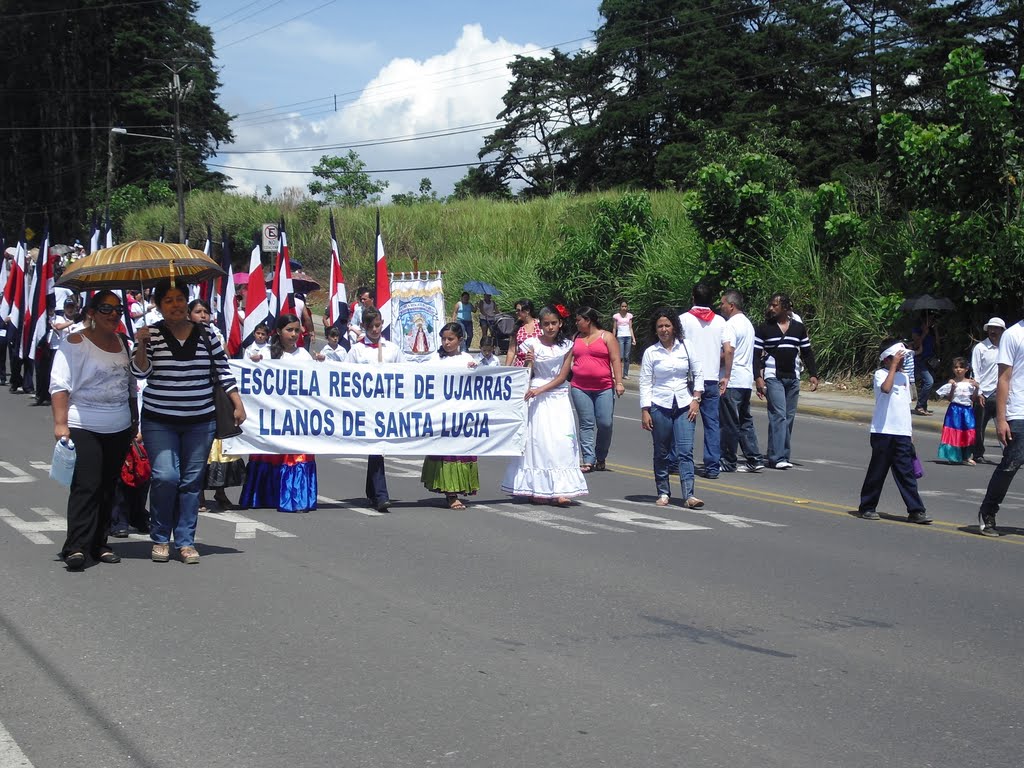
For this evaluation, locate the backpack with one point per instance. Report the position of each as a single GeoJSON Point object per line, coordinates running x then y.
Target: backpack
{"type": "Point", "coordinates": [136, 470]}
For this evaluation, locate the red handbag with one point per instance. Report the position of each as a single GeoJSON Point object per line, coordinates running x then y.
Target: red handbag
{"type": "Point", "coordinates": [136, 470]}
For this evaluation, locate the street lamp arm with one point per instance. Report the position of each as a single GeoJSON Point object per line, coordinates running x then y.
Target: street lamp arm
{"type": "Point", "coordinates": [123, 132]}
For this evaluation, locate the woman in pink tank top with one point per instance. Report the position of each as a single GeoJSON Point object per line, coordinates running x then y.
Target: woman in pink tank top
{"type": "Point", "coordinates": [596, 382]}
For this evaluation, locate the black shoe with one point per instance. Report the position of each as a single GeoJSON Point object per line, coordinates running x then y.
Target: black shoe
{"type": "Point", "coordinates": [384, 505]}
{"type": "Point", "coordinates": [75, 561]}
{"type": "Point", "coordinates": [987, 525]}
{"type": "Point", "coordinates": [120, 533]}
{"type": "Point", "coordinates": [870, 515]}
{"type": "Point", "coordinates": [921, 518]}
{"type": "Point", "coordinates": [109, 556]}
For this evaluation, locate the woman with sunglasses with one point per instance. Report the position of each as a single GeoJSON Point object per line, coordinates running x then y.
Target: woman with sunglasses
{"type": "Point", "coordinates": [91, 395]}
{"type": "Point", "coordinates": [527, 327]}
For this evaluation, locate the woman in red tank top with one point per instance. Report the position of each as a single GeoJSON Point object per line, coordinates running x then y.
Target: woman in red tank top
{"type": "Point", "coordinates": [596, 382]}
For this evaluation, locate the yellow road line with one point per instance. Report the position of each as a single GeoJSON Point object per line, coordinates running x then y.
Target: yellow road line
{"type": "Point", "coordinates": [800, 503]}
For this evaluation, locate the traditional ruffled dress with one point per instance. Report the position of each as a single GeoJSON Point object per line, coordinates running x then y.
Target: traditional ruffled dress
{"type": "Point", "coordinates": [958, 428]}
{"type": "Point", "coordinates": [286, 481]}
{"type": "Point", "coordinates": [451, 474]}
{"type": "Point", "coordinates": [550, 465]}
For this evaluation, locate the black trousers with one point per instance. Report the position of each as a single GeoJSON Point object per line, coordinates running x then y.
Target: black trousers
{"type": "Point", "coordinates": [376, 480]}
{"type": "Point", "coordinates": [893, 453]}
{"type": "Point", "coordinates": [98, 463]}
{"type": "Point", "coordinates": [3, 359]}
{"type": "Point", "coordinates": [44, 359]}
{"type": "Point", "coordinates": [12, 352]}
{"type": "Point", "coordinates": [1013, 459]}
{"type": "Point", "coordinates": [983, 414]}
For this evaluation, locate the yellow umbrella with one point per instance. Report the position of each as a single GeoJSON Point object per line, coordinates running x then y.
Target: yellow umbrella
{"type": "Point", "coordinates": [139, 262]}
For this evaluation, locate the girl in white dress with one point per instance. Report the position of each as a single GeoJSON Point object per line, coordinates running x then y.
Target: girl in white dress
{"type": "Point", "coordinates": [549, 470]}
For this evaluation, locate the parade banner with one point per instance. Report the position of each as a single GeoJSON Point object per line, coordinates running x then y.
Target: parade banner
{"type": "Point", "coordinates": [417, 311]}
{"type": "Point", "coordinates": [393, 410]}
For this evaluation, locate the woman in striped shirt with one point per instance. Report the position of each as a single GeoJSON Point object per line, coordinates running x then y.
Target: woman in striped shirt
{"type": "Point", "coordinates": [178, 417]}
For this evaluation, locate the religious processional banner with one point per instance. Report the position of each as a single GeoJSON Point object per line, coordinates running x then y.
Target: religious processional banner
{"type": "Point", "coordinates": [417, 309]}
{"type": "Point", "coordinates": [390, 410]}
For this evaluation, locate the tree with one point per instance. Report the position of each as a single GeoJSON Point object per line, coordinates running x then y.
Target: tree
{"type": "Point", "coordinates": [342, 181]}
{"type": "Point", "coordinates": [480, 181]}
{"type": "Point", "coordinates": [426, 194]}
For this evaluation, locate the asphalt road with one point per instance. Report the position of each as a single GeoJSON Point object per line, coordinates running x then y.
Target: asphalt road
{"type": "Point", "coordinates": [771, 628]}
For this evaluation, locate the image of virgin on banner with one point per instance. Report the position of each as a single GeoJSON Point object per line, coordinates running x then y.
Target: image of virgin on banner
{"type": "Point", "coordinates": [417, 306]}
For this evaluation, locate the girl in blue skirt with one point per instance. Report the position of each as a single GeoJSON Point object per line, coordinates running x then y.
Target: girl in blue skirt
{"type": "Point", "coordinates": [958, 426]}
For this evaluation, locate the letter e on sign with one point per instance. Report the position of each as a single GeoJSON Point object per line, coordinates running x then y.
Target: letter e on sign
{"type": "Point", "coordinates": [271, 241]}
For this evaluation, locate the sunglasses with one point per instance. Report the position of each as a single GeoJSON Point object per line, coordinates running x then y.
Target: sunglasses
{"type": "Point", "coordinates": [106, 309]}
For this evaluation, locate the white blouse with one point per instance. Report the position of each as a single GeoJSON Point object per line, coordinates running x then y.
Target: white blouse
{"type": "Point", "coordinates": [663, 375]}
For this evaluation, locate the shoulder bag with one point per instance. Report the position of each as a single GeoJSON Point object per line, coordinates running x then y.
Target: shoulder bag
{"type": "Point", "coordinates": [224, 408]}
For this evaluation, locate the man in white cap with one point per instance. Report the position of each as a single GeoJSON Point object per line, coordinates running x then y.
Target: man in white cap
{"type": "Point", "coordinates": [892, 445]}
{"type": "Point", "coordinates": [1009, 425]}
{"type": "Point", "coordinates": [986, 373]}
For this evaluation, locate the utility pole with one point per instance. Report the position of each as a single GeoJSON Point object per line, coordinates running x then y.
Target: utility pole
{"type": "Point", "coordinates": [178, 92]}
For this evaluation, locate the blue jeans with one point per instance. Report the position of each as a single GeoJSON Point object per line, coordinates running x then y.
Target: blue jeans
{"type": "Point", "coordinates": [625, 350]}
{"type": "Point", "coordinates": [594, 411]}
{"type": "Point", "coordinates": [712, 432]}
{"type": "Point", "coordinates": [782, 395]}
{"type": "Point", "coordinates": [673, 442]}
{"type": "Point", "coordinates": [925, 381]}
{"type": "Point", "coordinates": [999, 483]}
{"type": "Point", "coordinates": [178, 453]}
{"type": "Point", "coordinates": [467, 326]}
{"type": "Point", "coordinates": [738, 429]}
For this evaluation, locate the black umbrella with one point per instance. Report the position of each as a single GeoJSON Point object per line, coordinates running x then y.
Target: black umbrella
{"type": "Point", "coordinates": [926, 303]}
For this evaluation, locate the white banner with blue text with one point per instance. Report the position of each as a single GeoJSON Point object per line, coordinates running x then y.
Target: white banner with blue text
{"type": "Point", "coordinates": [393, 410]}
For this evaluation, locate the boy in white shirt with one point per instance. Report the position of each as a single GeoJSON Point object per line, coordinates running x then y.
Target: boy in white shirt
{"type": "Point", "coordinates": [892, 448]}
{"type": "Point", "coordinates": [332, 350]}
{"type": "Point", "coordinates": [260, 347]}
{"type": "Point", "coordinates": [487, 357]}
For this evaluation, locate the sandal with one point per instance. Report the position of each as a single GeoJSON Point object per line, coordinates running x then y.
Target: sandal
{"type": "Point", "coordinates": [600, 467]}
{"type": "Point", "coordinates": [204, 510]}
{"type": "Point", "coordinates": [970, 462]}
{"type": "Point", "coordinates": [75, 561]}
{"type": "Point", "coordinates": [694, 503]}
{"type": "Point", "coordinates": [109, 556]}
{"type": "Point", "coordinates": [561, 501]}
{"type": "Point", "coordinates": [922, 412]}
{"type": "Point", "coordinates": [586, 468]}
{"type": "Point", "coordinates": [662, 500]}
{"type": "Point", "coordinates": [455, 503]}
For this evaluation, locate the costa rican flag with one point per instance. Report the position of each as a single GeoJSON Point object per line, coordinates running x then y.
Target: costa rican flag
{"type": "Point", "coordinates": [224, 302]}
{"type": "Point", "coordinates": [14, 297]}
{"type": "Point", "coordinates": [257, 307]}
{"type": "Point", "coordinates": [42, 300]}
{"type": "Point", "coordinates": [337, 306]}
{"type": "Point", "coordinates": [383, 284]}
{"type": "Point", "coordinates": [282, 290]}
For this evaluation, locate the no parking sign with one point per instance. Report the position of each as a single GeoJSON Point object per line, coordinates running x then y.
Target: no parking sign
{"type": "Point", "coordinates": [271, 237]}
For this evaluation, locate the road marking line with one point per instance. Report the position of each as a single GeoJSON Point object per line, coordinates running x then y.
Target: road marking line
{"type": "Point", "coordinates": [17, 475]}
{"type": "Point", "coordinates": [734, 520]}
{"type": "Point", "coordinates": [368, 511]}
{"type": "Point", "coordinates": [246, 528]}
{"type": "Point", "coordinates": [541, 517]}
{"type": "Point", "coordinates": [32, 530]}
{"type": "Point", "coordinates": [43, 465]}
{"type": "Point", "coordinates": [11, 755]}
{"type": "Point", "coordinates": [642, 520]}
{"type": "Point", "coordinates": [394, 471]}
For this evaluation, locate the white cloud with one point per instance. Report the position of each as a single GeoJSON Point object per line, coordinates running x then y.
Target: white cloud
{"type": "Point", "coordinates": [461, 87]}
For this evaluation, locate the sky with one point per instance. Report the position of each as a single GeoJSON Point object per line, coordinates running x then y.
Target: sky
{"type": "Point", "coordinates": [325, 74]}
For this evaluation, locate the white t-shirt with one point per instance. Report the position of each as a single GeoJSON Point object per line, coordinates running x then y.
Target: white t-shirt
{"type": "Point", "coordinates": [257, 349]}
{"type": "Point", "coordinates": [622, 325]}
{"type": "Point", "coordinates": [892, 409]}
{"type": "Point", "coordinates": [739, 334]}
{"type": "Point", "coordinates": [492, 360]}
{"type": "Point", "coordinates": [1011, 352]}
{"type": "Point", "coordinates": [984, 366]}
{"type": "Point", "coordinates": [704, 340]}
{"type": "Point", "coordinates": [385, 352]}
{"type": "Point", "coordinates": [97, 383]}
{"type": "Point", "coordinates": [335, 354]}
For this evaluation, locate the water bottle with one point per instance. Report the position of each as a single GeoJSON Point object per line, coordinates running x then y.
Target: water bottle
{"type": "Point", "coordinates": [62, 467]}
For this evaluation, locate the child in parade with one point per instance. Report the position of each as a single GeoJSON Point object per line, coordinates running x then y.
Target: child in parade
{"type": "Point", "coordinates": [487, 357]}
{"type": "Point", "coordinates": [332, 350]}
{"type": "Point", "coordinates": [548, 472]}
{"type": "Point", "coordinates": [958, 428]}
{"type": "Point", "coordinates": [892, 448]}
{"type": "Point", "coordinates": [371, 349]}
{"type": "Point", "coordinates": [286, 481]}
{"type": "Point", "coordinates": [451, 475]}
{"type": "Point", "coordinates": [260, 347]}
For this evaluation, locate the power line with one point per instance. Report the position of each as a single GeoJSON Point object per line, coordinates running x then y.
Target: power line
{"type": "Point", "coordinates": [382, 170]}
{"type": "Point", "coordinates": [434, 134]}
{"type": "Point", "coordinates": [275, 26]}
{"type": "Point", "coordinates": [236, 22]}
{"type": "Point", "coordinates": [232, 13]}
{"type": "Point", "coordinates": [27, 14]}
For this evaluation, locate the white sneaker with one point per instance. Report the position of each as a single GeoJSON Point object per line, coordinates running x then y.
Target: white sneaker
{"type": "Point", "coordinates": [748, 468]}
{"type": "Point", "coordinates": [783, 465]}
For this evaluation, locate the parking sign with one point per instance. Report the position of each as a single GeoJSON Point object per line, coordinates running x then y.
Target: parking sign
{"type": "Point", "coordinates": [271, 238]}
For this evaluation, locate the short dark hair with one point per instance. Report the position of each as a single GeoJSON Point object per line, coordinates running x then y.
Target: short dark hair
{"type": "Point", "coordinates": [589, 313]}
{"type": "Point", "coordinates": [369, 315]}
{"type": "Point", "coordinates": [333, 331]}
{"type": "Point", "coordinates": [161, 289]}
{"type": "Point", "coordinates": [199, 303]}
{"type": "Point", "coordinates": [98, 297]}
{"type": "Point", "coordinates": [702, 295]}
